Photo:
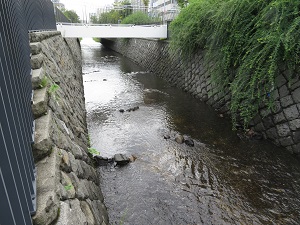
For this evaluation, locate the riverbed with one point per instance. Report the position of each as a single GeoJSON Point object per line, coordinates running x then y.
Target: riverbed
{"type": "Point", "coordinates": [221, 180]}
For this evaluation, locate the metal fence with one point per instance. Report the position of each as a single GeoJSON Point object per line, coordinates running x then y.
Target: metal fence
{"type": "Point", "coordinates": [17, 169]}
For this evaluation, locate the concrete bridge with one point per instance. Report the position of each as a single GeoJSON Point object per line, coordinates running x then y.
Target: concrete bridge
{"type": "Point", "coordinates": [112, 30]}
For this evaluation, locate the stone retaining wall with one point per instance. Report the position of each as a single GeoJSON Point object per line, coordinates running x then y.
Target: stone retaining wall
{"type": "Point", "coordinates": [282, 126]}
{"type": "Point", "coordinates": [68, 189]}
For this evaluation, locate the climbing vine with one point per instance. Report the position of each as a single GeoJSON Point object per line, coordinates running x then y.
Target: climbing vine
{"type": "Point", "coordinates": [249, 42]}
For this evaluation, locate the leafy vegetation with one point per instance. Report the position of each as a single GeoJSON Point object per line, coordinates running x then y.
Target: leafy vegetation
{"type": "Point", "coordinates": [93, 151]}
{"type": "Point", "coordinates": [44, 82]}
{"type": "Point", "coordinates": [105, 18]}
{"type": "Point", "coordinates": [71, 15]}
{"type": "Point", "coordinates": [53, 88]}
{"type": "Point", "coordinates": [182, 3]}
{"type": "Point", "coordinates": [248, 42]}
{"type": "Point", "coordinates": [123, 9]}
{"type": "Point", "coordinates": [139, 18]}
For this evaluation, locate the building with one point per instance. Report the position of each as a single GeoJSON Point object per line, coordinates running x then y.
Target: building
{"type": "Point", "coordinates": [167, 9]}
{"type": "Point", "coordinates": [57, 4]}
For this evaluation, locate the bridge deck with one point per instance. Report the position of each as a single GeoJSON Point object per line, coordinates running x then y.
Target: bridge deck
{"type": "Point", "coordinates": [112, 30]}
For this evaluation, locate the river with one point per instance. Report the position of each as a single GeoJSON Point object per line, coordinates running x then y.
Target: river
{"type": "Point", "coordinates": [221, 180]}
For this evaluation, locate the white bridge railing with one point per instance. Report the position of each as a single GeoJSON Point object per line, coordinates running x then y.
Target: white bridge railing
{"type": "Point", "coordinates": [112, 30]}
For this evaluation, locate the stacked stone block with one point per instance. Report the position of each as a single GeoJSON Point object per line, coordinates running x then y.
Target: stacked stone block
{"type": "Point", "coordinates": [281, 124]}
{"type": "Point", "coordinates": [68, 189]}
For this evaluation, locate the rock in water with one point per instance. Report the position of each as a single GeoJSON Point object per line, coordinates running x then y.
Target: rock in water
{"type": "Point", "coordinates": [121, 110]}
{"type": "Point", "coordinates": [179, 139]}
{"type": "Point", "coordinates": [101, 161]}
{"type": "Point", "coordinates": [257, 136]}
{"type": "Point", "coordinates": [189, 142]}
{"type": "Point", "coordinates": [132, 158]}
{"type": "Point", "coordinates": [166, 136]}
{"type": "Point", "coordinates": [121, 159]}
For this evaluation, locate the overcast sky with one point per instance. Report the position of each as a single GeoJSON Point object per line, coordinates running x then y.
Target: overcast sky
{"type": "Point", "coordinates": [90, 6]}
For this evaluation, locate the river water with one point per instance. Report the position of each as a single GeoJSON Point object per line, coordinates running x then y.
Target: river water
{"type": "Point", "coordinates": [221, 180]}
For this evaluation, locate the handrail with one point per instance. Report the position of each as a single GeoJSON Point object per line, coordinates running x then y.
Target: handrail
{"type": "Point", "coordinates": [109, 24]}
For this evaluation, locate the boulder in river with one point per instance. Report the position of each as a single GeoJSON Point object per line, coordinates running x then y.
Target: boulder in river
{"type": "Point", "coordinates": [121, 159]}
{"type": "Point", "coordinates": [179, 138]}
{"type": "Point", "coordinates": [166, 136]}
{"type": "Point", "coordinates": [101, 161]}
{"type": "Point", "coordinates": [189, 142]}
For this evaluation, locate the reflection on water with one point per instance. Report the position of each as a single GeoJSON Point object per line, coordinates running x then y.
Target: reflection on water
{"type": "Point", "coordinates": [222, 180]}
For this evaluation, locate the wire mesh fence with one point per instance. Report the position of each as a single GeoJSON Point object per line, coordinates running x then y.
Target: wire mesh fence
{"type": "Point", "coordinates": [17, 169]}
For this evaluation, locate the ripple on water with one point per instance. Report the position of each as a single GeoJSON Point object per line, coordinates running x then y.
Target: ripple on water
{"type": "Point", "coordinates": [222, 180]}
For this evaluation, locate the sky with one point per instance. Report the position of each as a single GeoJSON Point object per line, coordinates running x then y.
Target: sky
{"type": "Point", "coordinates": [88, 6]}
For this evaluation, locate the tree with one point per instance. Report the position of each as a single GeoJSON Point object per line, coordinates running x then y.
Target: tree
{"type": "Point", "coordinates": [71, 15]}
{"type": "Point", "coordinates": [182, 3]}
{"type": "Point", "coordinates": [146, 3]}
{"type": "Point", "coordinates": [121, 10]}
{"type": "Point", "coordinates": [138, 18]}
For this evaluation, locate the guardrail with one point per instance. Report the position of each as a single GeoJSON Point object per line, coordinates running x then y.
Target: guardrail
{"type": "Point", "coordinates": [17, 169]}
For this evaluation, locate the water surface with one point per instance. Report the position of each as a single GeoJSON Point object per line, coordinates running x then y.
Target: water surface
{"type": "Point", "coordinates": [222, 180]}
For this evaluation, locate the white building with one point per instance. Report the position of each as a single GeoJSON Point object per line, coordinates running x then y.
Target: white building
{"type": "Point", "coordinates": [167, 9]}
{"type": "Point", "coordinates": [56, 3]}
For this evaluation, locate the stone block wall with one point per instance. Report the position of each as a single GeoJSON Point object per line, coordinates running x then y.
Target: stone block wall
{"type": "Point", "coordinates": [68, 189]}
{"type": "Point", "coordinates": [281, 126]}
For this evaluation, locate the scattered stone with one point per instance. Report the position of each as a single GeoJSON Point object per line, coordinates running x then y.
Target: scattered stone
{"type": "Point", "coordinates": [179, 139]}
{"type": "Point", "coordinates": [132, 158]}
{"type": "Point", "coordinates": [257, 136]}
{"type": "Point", "coordinates": [189, 142]}
{"type": "Point", "coordinates": [249, 135]}
{"type": "Point", "coordinates": [101, 161]}
{"type": "Point", "coordinates": [221, 115]}
{"type": "Point", "coordinates": [121, 159]}
{"type": "Point", "coordinates": [121, 110]}
{"type": "Point", "coordinates": [132, 109]}
{"type": "Point", "coordinates": [166, 136]}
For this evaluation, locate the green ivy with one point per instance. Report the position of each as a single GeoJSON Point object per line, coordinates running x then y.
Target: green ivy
{"type": "Point", "coordinates": [249, 42]}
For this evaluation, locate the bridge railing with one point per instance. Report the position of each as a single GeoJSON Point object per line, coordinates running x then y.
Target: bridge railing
{"type": "Point", "coordinates": [17, 169]}
{"type": "Point", "coordinates": [112, 30]}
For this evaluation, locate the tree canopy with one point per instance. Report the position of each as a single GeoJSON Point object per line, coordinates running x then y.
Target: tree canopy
{"type": "Point", "coordinates": [71, 15]}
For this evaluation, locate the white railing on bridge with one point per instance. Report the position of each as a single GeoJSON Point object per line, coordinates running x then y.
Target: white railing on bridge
{"type": "Point", "coordinates": [112, 30]}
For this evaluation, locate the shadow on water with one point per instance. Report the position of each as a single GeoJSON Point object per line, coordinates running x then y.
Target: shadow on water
{"type": "Point", "coordinates": [222, 180]}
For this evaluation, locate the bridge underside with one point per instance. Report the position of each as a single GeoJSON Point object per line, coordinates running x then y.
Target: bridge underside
{"type": "Point", "coordinates": [113, 31]}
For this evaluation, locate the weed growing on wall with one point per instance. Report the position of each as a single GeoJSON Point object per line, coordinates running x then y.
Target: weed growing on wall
{"type": "Point", "coordinates": [248, 42]}
{"type": "Point", "coordinates": [43, 82]}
